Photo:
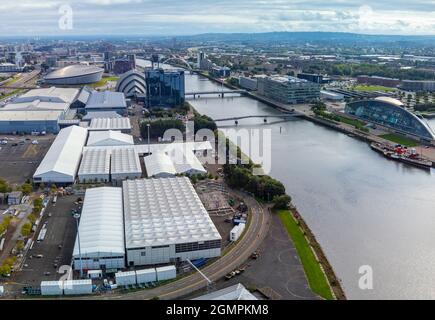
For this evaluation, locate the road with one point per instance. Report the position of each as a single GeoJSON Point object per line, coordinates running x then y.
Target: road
{"type": "Point", "coordinates": [23, 81]}
{"type": "Point", "coordinates": [254, 236]}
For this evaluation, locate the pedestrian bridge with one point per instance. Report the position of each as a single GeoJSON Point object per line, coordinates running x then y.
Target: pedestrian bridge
{"type": "Point", "coordinates": [265, 117]}
{"type": "Point", "coordinates": [221, 93]}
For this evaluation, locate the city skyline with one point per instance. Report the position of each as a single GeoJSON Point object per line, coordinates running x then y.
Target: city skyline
{"type": "Point", "coordinates": [143, 17]}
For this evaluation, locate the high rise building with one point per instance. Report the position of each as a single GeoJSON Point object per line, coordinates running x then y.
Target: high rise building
{"type": "Point", "coordinates": [165, 88]}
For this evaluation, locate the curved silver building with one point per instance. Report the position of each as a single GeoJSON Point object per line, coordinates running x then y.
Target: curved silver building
{"type": "Point", "coordinates": [74, 74]}
{"type": "Point", "coordinates": [131, 82]}
{"type": "Point", "coordinates": [390, 113]}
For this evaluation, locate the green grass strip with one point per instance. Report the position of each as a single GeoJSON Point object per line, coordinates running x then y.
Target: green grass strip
{"type": "Point", "coordinates": [399, 139]}
{"type": "Point", "coordinates": [316, 278]}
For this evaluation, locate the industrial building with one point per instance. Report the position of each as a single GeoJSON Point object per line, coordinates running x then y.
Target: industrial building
{"type": "Point", "coordinates": [235, 292]}
{"type": "Point", "coordinates": [37, 110]}
{"type": "Point", "coordinates": [125, 164]}
{"type": "Point", "coordinates": [62, 160]}
{"type": "Point", "coordinates": [159, 165]}
{"type": "Point", "coordinates": [74, 75]}
{"type": "Point", "coordinates": [95, 166]}
{"type": "Point", "coordinates": [101, 231]}
{"type": "Point", "coordinates": [166, 222]}
{"type": "Point", "coordinates": [106, 101]}
{"type": "Point", "coordinates": [109, 138]}
{"type": "Point", "coordinates": [131, 83]}
{"type": "Point", "coordinates": [164, 88]}
{"type": "Point", "coordinates": [177, 160]}
{"type": "Point", "coordinates": [288, 90]}
{"type": "Point", "coordinates": [101, 124]}
{"type": "Point", "coordinates": [100, 114]}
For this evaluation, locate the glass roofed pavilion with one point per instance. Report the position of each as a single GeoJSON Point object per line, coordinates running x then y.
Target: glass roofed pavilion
{"type": "Point", "coordinates": [390, 113]}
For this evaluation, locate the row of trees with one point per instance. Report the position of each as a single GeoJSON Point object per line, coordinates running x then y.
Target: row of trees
{"type": "Point", "coordinates": [264, 187]}
{"type": "Point", "coordinates": [158, 127]}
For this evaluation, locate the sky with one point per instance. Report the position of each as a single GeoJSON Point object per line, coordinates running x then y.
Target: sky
{"type": "Point", "coordinates": [184, 17]}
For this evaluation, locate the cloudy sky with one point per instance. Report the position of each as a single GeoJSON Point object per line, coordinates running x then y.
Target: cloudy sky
{"type": "Point", "coordinates": [179, 17]}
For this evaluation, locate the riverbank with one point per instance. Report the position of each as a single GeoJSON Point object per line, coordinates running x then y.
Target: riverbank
{"type": "Point", "coordinates": [314, 272]}
{"type": "Point", "coordinates": [318, 270]}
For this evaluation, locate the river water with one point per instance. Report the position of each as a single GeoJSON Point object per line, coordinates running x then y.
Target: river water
{"type": "Point", "coordinates": [365, 210]}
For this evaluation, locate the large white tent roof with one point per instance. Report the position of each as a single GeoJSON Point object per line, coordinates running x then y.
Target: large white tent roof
{"type": "Point", "coordinates": [164, 211]}
{"type": "Point", "coordinates": [64, 155]}
{"type": "Point", "coordinates": [125, 161]}
{"type": "Point", "coordinates": [101, 223]}
{"type": "Point", "coordinates": [95, 161]}
{"type": "Point", "coordinates": [109, 138]}
{"type": "Point", "coordinates": [159, 163]}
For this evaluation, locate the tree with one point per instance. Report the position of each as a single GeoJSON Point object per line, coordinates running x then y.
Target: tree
{"type": "Point", "coordinates": [20, 245]}
{"type": "Point", "coordinates": [25, 229]}
{"type": "Point", "coordinates": [281, 202]}
{"type": "Point", "coordinates": [31, 218]}
{"type": "Point", "coordinates": [26, 188]}
{"type": "Point", "coordinates": [4, 186]}
{"type": "Point", "coordinates": [158, 127]}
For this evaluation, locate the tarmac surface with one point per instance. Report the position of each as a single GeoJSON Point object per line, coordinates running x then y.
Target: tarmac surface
{"type": "Point", "coordinates": [19, 162]}
{"type": "Point", "coordinates": [61, 230]}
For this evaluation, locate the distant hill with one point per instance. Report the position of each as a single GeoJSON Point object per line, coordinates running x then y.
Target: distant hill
{"type": "Point", "coordinates": [304, 37]}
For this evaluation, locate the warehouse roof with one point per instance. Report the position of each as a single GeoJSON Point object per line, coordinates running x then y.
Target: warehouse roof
{"type": "Point", "coordinates": [125, 160]}
{"type": "Point", "coordinates": [122, 123]}
{"type": "Point", "coordinates": [164, 211]}
{"type": "Point", "coordinates": [64, 154]}
{"type": "Point", "coordinates": [101, 223]}
{"type": "Point", "coordinates": [235, 292]}
{"type": "Point", "coordinates": [106, 99]}
{"type": "Point", "coordinates": [109, 138]}
{"type": "Point", "coordinates": [52, 94]}
{"type": "Point", "coordinates": [95, 161]}
{"type": "Point", "coordinates": [159, 163]}
{"type": "Point", "coordinates": [36, 105]}
{"type": "Point", "coordinates": [11, 115]}
{"type": "Point", "coordinates": [101, 114]}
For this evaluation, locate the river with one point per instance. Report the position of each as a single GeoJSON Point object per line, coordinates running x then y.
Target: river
{"type": "Point", "coordinates": [364, 209]}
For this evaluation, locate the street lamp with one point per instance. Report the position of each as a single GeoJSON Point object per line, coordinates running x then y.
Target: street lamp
{"type": "Point", "coordinates": [148, 129]}
{"type": "Point", "coordinates": [77, 217]}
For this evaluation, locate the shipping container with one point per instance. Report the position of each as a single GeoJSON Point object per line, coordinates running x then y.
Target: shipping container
{"type": "Point", "coordinates": [146, 275]}
{"type": "Point", "coordinates": [125, 278]}
{"type": "Point", "coordinates": [237, 231]}
{"type": "Point", "coordinates": [76, 287]}
{"type": "Point", "coordinates": [52, 288]}
{"type": "Point", "coordinates": [166, 273]}
{"type": "Point", "coordinates": [95, 274]}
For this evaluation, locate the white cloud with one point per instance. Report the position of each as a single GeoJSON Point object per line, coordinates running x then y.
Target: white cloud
{"type": "Point", "coordinates": [197, 16]}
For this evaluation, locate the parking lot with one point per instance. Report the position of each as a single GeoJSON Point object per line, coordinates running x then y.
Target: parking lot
{"type": "Point", "coordinates": [19, 158]}
{"type": "Point", "coordinates": [55, 249]}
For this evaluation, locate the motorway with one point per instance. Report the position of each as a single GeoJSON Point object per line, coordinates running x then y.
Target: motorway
{"type": "Point", "coordinates": [22, 82]}
{"type": "Point", "coordinates": [254, 236]}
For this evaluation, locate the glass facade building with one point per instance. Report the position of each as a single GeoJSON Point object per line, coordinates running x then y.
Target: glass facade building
{"type": "Point", "coordinates": [288, 90]}
{"type": "Point", "coordinates": [390, 113]}
{"type": "Point", "coordinates": [164, 88]}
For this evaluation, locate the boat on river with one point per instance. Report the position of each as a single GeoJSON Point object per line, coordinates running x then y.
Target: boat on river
{"type": "Point", "coordinates": [401, 154]}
